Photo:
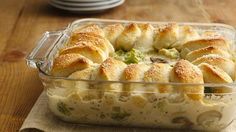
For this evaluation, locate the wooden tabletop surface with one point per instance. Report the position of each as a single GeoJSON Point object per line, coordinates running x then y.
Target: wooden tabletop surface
{"type": "Point", "coordinates": [22, 22]}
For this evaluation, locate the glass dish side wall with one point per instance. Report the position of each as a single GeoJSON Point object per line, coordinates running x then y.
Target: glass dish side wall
{"type": "Point", "coordinates": [71, 100]}
{"type": "Point", "coordinates": [92, 103]}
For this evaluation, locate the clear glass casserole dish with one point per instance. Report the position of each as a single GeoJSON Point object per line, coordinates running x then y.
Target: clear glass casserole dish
{"type": "Point", "coordinates": [70, 100]}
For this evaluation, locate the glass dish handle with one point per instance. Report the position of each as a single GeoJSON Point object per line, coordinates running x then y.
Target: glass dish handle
{"type": "Point", "coordinates": [44, 46]}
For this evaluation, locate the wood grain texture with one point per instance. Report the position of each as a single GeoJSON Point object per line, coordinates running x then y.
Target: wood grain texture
{"type": "Point", "coordinates": [10, 13]}
{"type": "Point", "coordinates": [23, 21]}
{"type": "Point", "coordinates": [221, 11]}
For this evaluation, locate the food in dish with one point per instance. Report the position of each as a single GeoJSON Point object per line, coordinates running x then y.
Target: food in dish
{"type": "Point", "coordinates": [138, 71]}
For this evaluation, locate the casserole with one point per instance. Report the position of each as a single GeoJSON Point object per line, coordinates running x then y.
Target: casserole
{"type": "Point", "coordinates": [71, 100]}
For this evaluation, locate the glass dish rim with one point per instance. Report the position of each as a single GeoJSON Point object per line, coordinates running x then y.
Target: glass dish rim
{"type": "Point", "coordinates": [70, 26]}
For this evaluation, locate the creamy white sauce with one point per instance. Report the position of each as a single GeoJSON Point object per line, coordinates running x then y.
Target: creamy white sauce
{"type": "Point", "coordinates": [146, 110]}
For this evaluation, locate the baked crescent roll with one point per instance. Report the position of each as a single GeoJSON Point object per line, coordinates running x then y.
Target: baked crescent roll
{"type": "Point", "coordinates": [64, 65]}
{"type": "Point", "coordinates": [186, 33]}
{"type": "Point", "coordinates": [205, 42]}
{"type": "Point", "coordinates": [205, 51]}
{"type": "Point", "coordinates": [159, 72]}
{"type": "Point", "coordinates": [134, 73]}
{"type": "Point", "coordinates": [83, 88]}
{"type": "Point", "coordinates": [185, 72]}
{"type": "Point", "coordinates": [145, 41]}
{"type": "Point", "coordinates": [112, 32]}
{"type": "Point", "coordinates": [166, 36]}
{"type": "Point", "coordinates": [127, 38]}
{"type": "Point", "coordinates": [91, 28]}
{"type": "Point", "coordinates": [85, 74]}
{"type": "Point", "coordinates": [88, 50]}
{"type": "Point", "coordinates": [213, 74]}
{"type": "Point", "coordinates": [111, 70]}
{"type": "Point", "coordinates": [225, 64]}
{"type": "Point", "coordinates": [93, 39]}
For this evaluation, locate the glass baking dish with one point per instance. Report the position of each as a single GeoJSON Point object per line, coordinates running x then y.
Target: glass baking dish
{"type": "Point", "coordinates": [95, 105]}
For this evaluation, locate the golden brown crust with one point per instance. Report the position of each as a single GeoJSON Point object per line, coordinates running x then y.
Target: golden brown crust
{"type": "Point", "coordinates": [132, 72]}
{"type": "Point", "coordinates": [145, 41]}
{"type": "Point", "coordinates": [166, 36]}
{"type": "Point", "coordinates": [87, 50]}
{"type": "Point", "coordinates": [225, 64]}
{"type": "Point", "coordinates": [127, 38]}
{"type": "Point", "coordinates": [185, 72]}
{"type": "Point", "coordinates": [93, 39]}
{"type": "Point", "coordinates": [213, 74]}
{"type": "Point", "coordinates": [111, 69]}
{"type": "Point", "coordinates": [83, 74]}
{"type": "Point", "coordinates": [186, 33]}
{"type": "Point", "coordinates": [93, 43]}
{"type": "Point", "coordinates": [112, 32]}
{"type": "Point", "coordinates": [205, 42]}
{"type": "Point", "coordinates": [205, 51]}
{"type": "Point", "coordinates": [159, 72]}
{"type": "Point", "coordinates": [135, 73]}
{"type": "Point", "coordinates": [91, 28]}
{"type": "Point", "coordinates": [64, 65]}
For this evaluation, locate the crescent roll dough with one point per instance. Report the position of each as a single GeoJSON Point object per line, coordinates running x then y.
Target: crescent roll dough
{"type": "Point", "coordinates": [185, 72]}
{"type": "Point", "coordinates": [135, 73]}
{"type": "Point", "coordinates": [91, 28]}
{"type": "Point", "coordinates": [191, 57]}
{"type": "Point", "coordinates": [112, 32]}
{"type": "Point", "coordinates": [213, 74]}
{"type": "Point", "coordinates": [166, 36]}
{"type": "Point", "coordinates": [186, 33]}
{"type": "Point", "coordinates": [64, 65]}
{"type": "Point", "coordinates": [205, 51]}
{"type": "Point", "coordinates": [83, 87]}
{"type": "Point", "coordinates": [159, 72]}
{"type": "Point", "coordinates": [205, 42]}
{"type": "Point", "coordinates": [93, 39]}
{"type": "Point", "coordinates": [88, 50]}
{"type": "Point", "coordinates": [111, 70]}
{"type": "Point", "coordinates": [145, 41]}
{"type": "Point", "coordinates": [127, 38]}
{"type": "Point", "coordinates": [225, 64]}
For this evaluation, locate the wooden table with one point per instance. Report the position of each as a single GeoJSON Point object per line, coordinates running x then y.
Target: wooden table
{"type": "Point", "coordinates": [23, 21]}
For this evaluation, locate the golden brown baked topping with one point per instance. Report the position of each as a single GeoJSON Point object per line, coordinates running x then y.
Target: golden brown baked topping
{"type": "Point", "coordinates": [213, 74]}
{"type": "Point", "coordinates": [127, 38]}
{"type": "Point", "coordinates": [225, 64]}
{"type": "Point", "coordinates": [205, 51]}
{"type": "Point", "coordinates": [166, 36]}
{"type": "Point", "coordinates": [205, 42]}
{"type": "Point", "coordinates": [141, 46]}
{"type": "Point", "coordinates": [112, 32]}
{"type": "Point", "coordinates": [186, 72]}
{"type": "Point", "coordinates": [111, 69]}
{"type": "Point", "coordinates": [64, 65]}
{"type": "Point", "coordinates": [87, 50]}
{"type": "Point", "coordinates": [91, 38]}
{"type": "Point", "coordinates": [91, 28]}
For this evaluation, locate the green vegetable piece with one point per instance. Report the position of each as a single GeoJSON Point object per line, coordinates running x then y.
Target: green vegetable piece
{"type": "Point", "coordinates": [132, 56]}
{"type": "Point", "coordinates": [118, 114]}
{"type": "Point", "coordinates": [171, 53]}
{"type": "Point", "coordinates": [64, 109]}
